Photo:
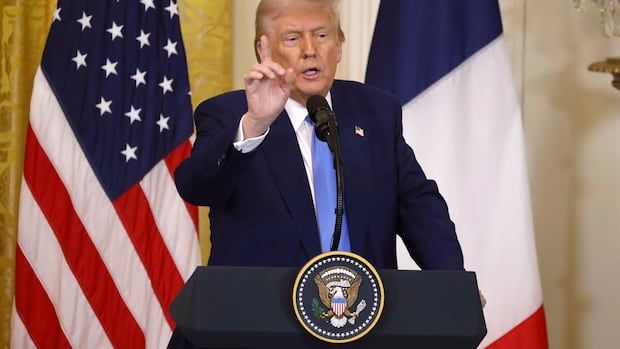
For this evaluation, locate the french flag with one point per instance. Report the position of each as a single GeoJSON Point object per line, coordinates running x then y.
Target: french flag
{"type": "Point", "coordinates": [446, 62]}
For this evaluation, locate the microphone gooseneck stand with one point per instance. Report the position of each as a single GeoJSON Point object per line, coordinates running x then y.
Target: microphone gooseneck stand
{"type": "Point", "coordinates": [333, 141]}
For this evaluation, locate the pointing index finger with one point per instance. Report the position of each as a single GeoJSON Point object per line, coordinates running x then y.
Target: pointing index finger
{"type": "Point", "coordinates": [264, 48]}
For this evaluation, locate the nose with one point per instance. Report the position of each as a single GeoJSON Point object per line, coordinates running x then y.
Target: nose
{"type": "Point", "coordinates": [308, 48]}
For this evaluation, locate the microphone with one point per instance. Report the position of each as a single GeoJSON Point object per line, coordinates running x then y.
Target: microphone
{"type": "Point", "coordinates": [322, 116]}
{"type": "Point", "coordinates": [326, 129]}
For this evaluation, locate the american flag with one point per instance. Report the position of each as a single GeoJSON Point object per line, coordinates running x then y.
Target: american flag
{"type": "Point", "coordinates": [105, 242]}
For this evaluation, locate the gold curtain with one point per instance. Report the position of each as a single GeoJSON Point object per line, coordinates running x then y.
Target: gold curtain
{"type": "Point", "coordinates": [207, 32]}
{"type": "Point", "coordinates": [206, 26]}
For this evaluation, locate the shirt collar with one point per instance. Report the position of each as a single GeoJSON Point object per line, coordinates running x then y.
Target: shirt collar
{"type": "Point", "coordinates": [297, 113]}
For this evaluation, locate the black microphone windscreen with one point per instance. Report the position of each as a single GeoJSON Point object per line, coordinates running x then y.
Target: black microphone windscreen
{"type": "Point", "coordinates": [315, 103]}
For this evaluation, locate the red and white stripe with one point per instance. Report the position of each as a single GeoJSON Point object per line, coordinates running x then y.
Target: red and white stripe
{"type": "Point", "coordinates": [467, 132]}
{"type": "Point", "coordinates": [339, 307]}
{"type": "Point", "coordinates": [92, 273]}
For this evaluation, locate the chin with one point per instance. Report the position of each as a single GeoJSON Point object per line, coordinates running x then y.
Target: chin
{"type": "Point", "coordinates": [313, 90]}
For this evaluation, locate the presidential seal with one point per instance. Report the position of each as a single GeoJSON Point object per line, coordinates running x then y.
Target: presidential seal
{"type": "Point", "coordinates": [338, 297]}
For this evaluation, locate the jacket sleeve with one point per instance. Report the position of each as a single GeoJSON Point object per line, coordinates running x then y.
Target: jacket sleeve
{"type": "Point", "coordinates": [423, 218]}
{"type": "Point", "coordinates": [210, 174]}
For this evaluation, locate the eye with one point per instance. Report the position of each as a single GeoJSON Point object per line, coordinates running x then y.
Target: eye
{"type": "Point", "coordinates": [291, 40]}
{"type": "Point", "coordinates": [322, 36]}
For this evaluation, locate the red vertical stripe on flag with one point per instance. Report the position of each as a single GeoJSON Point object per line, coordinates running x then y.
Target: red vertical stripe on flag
{"type": "Point", "coordinates": [135, 213]}
{"type": "Point", "coordinates": [35, 308]}
{"type": "Point", "coordinates": [531, 334]}
{"type": "Point", "coordinates": [173, 160]}
{"type": "Point", "coordinates": [81, 254]}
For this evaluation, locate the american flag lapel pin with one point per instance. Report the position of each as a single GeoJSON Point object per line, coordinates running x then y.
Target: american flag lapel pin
{"type": "Point", "coordinates": [359, 131]}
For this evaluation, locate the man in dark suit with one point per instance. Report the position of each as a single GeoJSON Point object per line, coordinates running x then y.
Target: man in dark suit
{"type": "Point", "coordinates": [252, 161]}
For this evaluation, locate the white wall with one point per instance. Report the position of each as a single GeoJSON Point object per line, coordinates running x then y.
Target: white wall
{"type": "Point", "coordinates": [572, 132]}
{"type": "Point", "coordinates": [572, 129]}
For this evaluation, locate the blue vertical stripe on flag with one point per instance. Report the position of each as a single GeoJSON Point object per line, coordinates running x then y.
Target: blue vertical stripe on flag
{"type": "Point", "coordinates": [417, 42]}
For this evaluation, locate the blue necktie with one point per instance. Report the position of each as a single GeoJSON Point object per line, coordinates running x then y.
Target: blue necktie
{"type": "Point", "coordinates": [325, 196]}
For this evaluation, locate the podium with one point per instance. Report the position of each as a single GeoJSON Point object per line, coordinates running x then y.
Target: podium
{"type": "Point", "coordinates": [251, 307]}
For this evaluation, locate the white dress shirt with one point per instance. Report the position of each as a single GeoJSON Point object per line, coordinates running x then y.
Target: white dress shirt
{"type": "Point", "coordinates": [304, 131]}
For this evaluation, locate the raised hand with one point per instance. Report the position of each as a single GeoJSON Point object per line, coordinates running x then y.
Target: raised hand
{"type": "Point", "coordinates": [267, 87]}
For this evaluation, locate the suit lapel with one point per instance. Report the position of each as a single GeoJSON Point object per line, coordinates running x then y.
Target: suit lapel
{"type": "Point", "coordinates": [284, 158]}
{"type": "Point", "coordinates": [356, 155]}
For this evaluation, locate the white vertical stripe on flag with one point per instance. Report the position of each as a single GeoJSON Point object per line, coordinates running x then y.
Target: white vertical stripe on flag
{"type": "Point", "coordinates": [97, 213]}
{"type": "Point", "coordinates": [467, 133]}
{"type": "Point", "coordinates": [19, 334]}
{"type": "Point", "coordinates": [44, 254]}
{"type": "Point", "coordinates": [172, 217]}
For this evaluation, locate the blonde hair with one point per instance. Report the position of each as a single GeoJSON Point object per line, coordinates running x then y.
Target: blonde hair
{"type": "Point", "coordinates": [267, 7]}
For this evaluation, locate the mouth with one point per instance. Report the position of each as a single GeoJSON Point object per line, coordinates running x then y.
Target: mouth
{"type": "Point", "coordinates": [310, 72]}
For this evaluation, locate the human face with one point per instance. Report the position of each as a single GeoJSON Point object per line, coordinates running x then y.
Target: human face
{"type": "Point", "coordinates": [304, 37]}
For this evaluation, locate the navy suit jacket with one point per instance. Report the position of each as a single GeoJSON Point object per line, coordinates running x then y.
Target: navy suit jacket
{"type": "Point", "coordinates": [261, 207]}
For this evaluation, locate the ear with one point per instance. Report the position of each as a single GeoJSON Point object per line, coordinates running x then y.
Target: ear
{"type": "Point", "coordinates": [339, 48]}
{"type": "Point", "coordinates": [257, 51]}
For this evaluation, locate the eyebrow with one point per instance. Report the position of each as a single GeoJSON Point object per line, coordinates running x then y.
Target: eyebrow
{"type": "Point", "coordinates": [292, 30]}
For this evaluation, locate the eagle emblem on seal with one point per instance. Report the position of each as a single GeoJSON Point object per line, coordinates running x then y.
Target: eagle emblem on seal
{"type": "Point", "coordinates": [338, 288]}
